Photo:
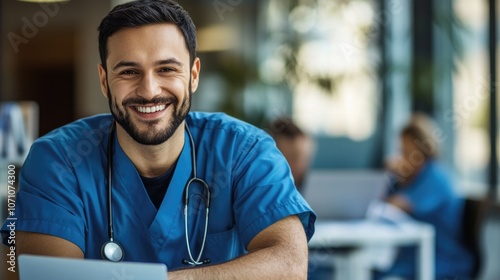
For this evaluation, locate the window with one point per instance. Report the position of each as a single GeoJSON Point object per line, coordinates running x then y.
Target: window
{"type": "Point", "coordinates": [328, 56]}
{"type": "Point", "coordinates": [469, 115]}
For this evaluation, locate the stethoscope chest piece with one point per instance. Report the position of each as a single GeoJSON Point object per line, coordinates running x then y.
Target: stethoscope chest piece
{"type": "Point", "coordinates": [112, 251]}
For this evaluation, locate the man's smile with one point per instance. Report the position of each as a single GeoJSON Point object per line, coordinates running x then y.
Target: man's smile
{"type": "Point", "coordinates": [151, 109]}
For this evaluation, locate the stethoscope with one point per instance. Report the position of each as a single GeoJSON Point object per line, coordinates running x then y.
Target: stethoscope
{"type": "Point", "coordinates": [113, 251]}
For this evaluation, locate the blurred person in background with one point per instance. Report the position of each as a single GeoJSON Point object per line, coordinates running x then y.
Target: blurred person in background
{"type": "Point", "coordinates": [424, 189]}
{"type": "Point", "coordinates": [297, 147]}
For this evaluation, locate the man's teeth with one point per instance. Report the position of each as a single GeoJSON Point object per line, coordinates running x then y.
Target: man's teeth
{"type": "Point", "coordinates": [152, 109]}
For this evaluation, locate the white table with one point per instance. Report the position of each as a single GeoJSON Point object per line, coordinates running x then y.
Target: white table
{"type": "Point", "coordinates": [330, 235]}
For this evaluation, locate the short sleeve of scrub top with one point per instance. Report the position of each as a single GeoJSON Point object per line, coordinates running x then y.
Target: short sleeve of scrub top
{"type": "Point", "coordinates": [262, 191]}
{"type": "Point", "coordinates": [48, 199]}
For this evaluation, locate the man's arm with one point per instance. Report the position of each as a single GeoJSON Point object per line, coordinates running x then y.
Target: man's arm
{"type": "Point", "coordinates": [278, 252]}
{"type": "Point", "coordinates": [43, 244]}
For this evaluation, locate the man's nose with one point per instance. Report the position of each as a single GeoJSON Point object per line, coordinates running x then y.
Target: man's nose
{"type": "Point", "coordinates": [150, 86]}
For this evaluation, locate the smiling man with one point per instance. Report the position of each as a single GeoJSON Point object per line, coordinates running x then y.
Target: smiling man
{"type": "Point", "coordinates": [206, 194]}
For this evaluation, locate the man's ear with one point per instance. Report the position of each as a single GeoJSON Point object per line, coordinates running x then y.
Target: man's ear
{"type": "Point", "coordinates": [103, 80]}
{"type": "Point", "coordinates": [195, 74]}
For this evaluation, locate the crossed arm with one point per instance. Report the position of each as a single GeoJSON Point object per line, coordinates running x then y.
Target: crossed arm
{"type": "Point", "coordinates": [278, 252]}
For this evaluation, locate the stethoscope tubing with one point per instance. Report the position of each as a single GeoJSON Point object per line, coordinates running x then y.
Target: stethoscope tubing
{"type": "Point", "coordinates": [113, 251]}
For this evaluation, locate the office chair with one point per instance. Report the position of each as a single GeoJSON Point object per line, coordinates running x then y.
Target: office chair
{"type": "Point", "coordinates": [472, 221]}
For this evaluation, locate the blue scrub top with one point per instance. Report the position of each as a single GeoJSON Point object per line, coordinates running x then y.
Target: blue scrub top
{"type": "Point", "coordinates": [63, 192]}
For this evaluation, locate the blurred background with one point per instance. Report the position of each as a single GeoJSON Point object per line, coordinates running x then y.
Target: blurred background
{"type": "Point", "coordinates": [348, 72]}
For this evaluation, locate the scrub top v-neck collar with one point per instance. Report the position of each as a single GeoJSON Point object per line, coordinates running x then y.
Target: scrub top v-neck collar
{"type": "Point", "coordinates": [129, 184]}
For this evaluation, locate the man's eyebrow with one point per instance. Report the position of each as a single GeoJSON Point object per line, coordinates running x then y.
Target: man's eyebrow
{"type": "Point", "coordinates": [169, 61]}
{"type": "Point", "coordinates": [125, 63]}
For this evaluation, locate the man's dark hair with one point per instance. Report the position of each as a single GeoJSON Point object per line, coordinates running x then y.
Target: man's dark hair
{"type": "Point", "coordinates": [144, 12]}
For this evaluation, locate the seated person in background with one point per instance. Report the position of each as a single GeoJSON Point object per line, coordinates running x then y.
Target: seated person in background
{"type": "Point", "coordinates": [297, 147]}
{"type": "Point", "coordinates": [425, 191]}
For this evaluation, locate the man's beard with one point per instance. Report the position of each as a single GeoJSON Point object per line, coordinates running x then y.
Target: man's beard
{"type": "Point", "coordinates": [151, 137]}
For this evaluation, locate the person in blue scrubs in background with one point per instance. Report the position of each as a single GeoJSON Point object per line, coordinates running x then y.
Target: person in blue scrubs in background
{"type": "Point", "coordinates": [425, 190]}
{"type": "Point", "coordinates": [146, 151]}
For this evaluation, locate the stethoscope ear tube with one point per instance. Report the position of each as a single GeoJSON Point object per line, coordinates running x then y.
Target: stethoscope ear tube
{"type": "Point", "coordinates": [207, 198]}
{"type": "Point", "coordinates": [111, 250]}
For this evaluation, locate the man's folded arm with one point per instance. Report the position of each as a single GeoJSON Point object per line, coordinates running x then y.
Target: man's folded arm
{"type": "Point", "coordinates": [278, 252]}
{"type": "Point", "coordinates": [43, 244]}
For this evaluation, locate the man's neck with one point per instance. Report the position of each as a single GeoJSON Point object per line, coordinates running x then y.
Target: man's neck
{"type": "Point", "coordinates": [152, 160]}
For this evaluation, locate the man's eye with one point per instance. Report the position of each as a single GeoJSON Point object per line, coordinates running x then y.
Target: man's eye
{"type": "Point", "coordinates": [128, 72]}
{"type": "Point", "coordinates": [166, 70]}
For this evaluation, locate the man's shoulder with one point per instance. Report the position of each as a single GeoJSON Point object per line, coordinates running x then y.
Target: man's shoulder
{"type": "Point", "coordinates": [92, 128]}
{"type": "Point", "coordinates": [220, 121]}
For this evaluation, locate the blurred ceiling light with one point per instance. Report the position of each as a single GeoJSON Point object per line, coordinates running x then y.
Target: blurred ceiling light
{"type": "Point", "coordinates": [43, 1]}
{"type": "Point", "coordinates": [217, 38]}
